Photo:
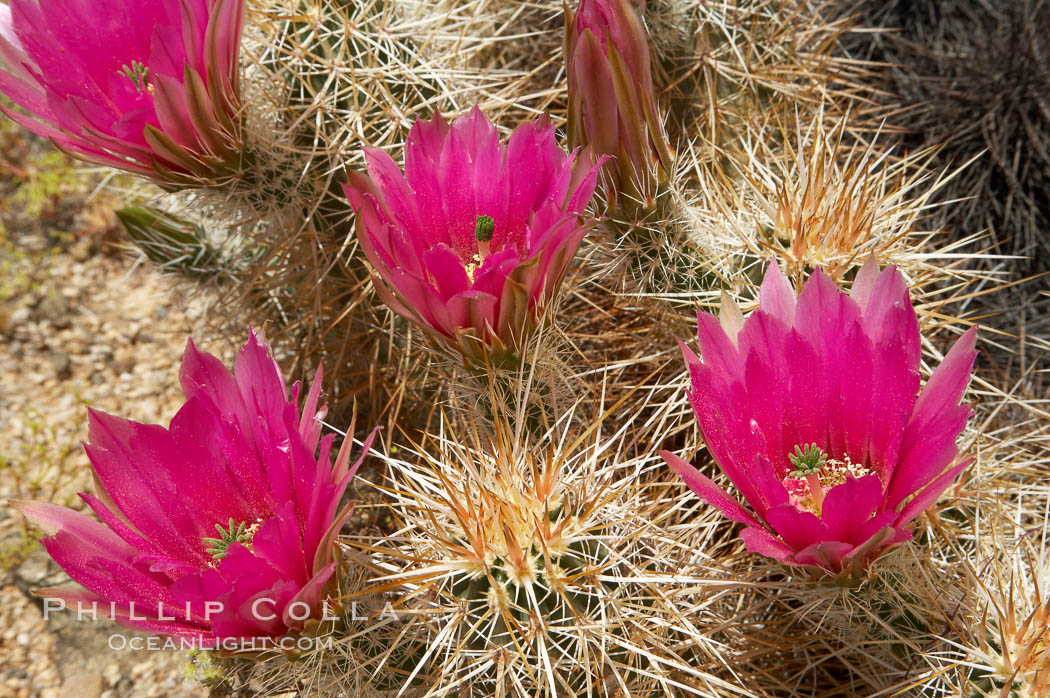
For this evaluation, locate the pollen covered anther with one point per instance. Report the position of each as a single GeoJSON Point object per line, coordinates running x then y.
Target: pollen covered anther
{"type": "Point", "coordinates": [806, 490]}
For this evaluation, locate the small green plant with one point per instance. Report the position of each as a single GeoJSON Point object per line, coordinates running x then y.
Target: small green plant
{"type": "Point", "coordinates": [40, 468]}
{"type": "Point", "coordinates": [47, 179]}
{"type": "Point", "coordinates": [203, 668]}
{"type": "Point", "coordinates": [20, 271]}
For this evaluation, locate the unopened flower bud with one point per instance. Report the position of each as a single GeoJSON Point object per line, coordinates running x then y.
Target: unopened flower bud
{"type": "Point", "coordinates": [612, 105]}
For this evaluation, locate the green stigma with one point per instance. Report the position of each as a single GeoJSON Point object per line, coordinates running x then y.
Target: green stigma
{"type": "Point", "coordinates": [808, 460]}
{"type": "Point", "coordinates": [138, 73]}
{"type": "Point", "coordinates": [235, 533]}
{"type": "Point", "coordinates": [483, 228]}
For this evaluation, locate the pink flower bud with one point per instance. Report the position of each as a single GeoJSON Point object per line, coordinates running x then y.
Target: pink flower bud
{"type": "Point", "coordinates": [612, 107]}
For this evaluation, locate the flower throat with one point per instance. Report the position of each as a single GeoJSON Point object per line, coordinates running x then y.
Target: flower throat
{"type": "Point", "coordinates": [138, 73]}
{"type": "Point", "coordinates": [815, 473]}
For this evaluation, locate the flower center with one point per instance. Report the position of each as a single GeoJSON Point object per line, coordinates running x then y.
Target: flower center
{"type": "Point", "coordinates": [484, 227]}
{"type": "Point", "coordinates": [138, 73]}
{"type": "Point", "coordinates": [233, 533]}
{"type": "Point", "coordinates": [815, 474]}
{"type": "Point", "coordinates": [807, 460]}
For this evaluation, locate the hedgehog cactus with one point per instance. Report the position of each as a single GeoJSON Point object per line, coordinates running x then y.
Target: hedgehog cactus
{"type": "Point", "coordinates": [527, 567]}
{"type": "Point", "coordinates": [539, 547]}
{"type": "Point", "coordinates": [331, 55]}
{"type": "Point", "coordinates": [528, 558]}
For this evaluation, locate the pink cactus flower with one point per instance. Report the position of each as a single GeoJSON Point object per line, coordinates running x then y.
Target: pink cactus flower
{"type": "Point", "coordinates": [148, 86]}
{"type": "Point", "coordinates": [222, 526]}
{"type": "Point", "coordinates": [473, 240]}
{"type": "Point", "coordinates": [811, 407]}
{"type": "Point", "coordinates": [612, 104]}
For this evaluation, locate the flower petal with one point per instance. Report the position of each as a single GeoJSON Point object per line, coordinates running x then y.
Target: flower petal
{"type": "Point", "coordinates": [849, 505]}
{"type": "Point", "coordinates": [762, 542]}
{"type": "Point", "coordinates": [708, 491]}
{"type": "Point", "coordinates": [929, 443]}
{"type": "Point", "coordinates": [931, 493]}
{"type": "Point", "coordinates": [777, 296]}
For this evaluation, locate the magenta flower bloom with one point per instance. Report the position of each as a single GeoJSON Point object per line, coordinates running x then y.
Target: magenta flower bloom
{"type": "Point", "coordinates": [612, 105]}
{"type": "Point", "coordinates": [148, 86]}
{"type": "Point", "coordinates": [811, 407]}
{"type": "Point", "coordinates": [221, 526]}
{"type": "Point", "coordinates": [473, 240]}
